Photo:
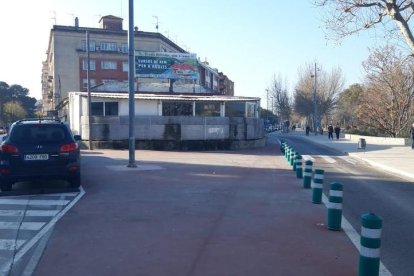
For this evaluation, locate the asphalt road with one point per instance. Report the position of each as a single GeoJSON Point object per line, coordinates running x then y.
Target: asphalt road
{"type": "Point", "coordinates": [367, 189]}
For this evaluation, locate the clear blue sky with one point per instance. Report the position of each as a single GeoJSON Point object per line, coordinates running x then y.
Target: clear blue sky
{"type": "Point", "coordinates": [248, 40]}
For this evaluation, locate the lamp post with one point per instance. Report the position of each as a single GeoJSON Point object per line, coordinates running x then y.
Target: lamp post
{"type": "Point", "coordinates": [131, 92]}
{"type": "Point", "coordinates": [267, 107]}
{"type": "Point", "coordinates": [88, 80]}
{"type": "Point", "coordinates": [315, 106]}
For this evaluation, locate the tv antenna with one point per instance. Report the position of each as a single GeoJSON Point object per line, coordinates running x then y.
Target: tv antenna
{"type": "Point", "coordinates": [156, 22]}
{"type": "Point", "coordinates": [54, 16]}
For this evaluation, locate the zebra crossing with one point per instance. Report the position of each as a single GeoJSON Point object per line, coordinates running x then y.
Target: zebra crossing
{"type": "Point", "coordinates": [25, 219]}
{"type": "Point", "coordinates": [329, 159]}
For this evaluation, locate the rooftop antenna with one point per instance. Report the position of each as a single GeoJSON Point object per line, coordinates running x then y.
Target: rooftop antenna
{"type": "Point", "coordinates": [156, 22]}
{"type": "Point", "coordinates": [73, 16]}
{"type": "Point", "coordinates": [54, 17]}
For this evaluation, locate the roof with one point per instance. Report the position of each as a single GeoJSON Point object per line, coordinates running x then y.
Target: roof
{"type": "Point", "coordinates": [123, 33]}
{"type": "Point", "coordinates": [170, 97]}
{"type": "Point", "coordinates": [110, 17]}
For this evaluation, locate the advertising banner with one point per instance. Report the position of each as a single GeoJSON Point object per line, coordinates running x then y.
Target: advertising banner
{"type": "Point", "coordinates": [166, 65]}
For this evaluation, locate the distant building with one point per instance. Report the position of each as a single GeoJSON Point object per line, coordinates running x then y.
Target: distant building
{"type": "Point", "coordinates": [65, 68]}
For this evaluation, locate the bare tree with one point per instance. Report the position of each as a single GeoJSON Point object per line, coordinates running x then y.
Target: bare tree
{"type": "Point", "coordinates": [348, 100]}
{"type": "Point", "coordinates": [387, 102]}
{"type": "Point", "coordinates": [282, 102]}
{"type": "Point", "coordinates": [346, 17]}
{"type": "Point", "coordinates": [328, 86]}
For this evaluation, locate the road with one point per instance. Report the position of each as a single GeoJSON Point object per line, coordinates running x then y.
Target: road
{"type": "Point", "coordinates": [367, 189]}
{"type": "Point", "coordinates": [206, 213]}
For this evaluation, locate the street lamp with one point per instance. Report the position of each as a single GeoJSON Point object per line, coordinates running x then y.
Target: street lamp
{"type": "Point", "coordinates": [267, 107]}
{"type": "Point", "coordinates": [315, 106]}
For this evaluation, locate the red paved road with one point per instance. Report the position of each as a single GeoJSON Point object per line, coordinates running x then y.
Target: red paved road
{"type": "Point", "coordinates": [195, 213]}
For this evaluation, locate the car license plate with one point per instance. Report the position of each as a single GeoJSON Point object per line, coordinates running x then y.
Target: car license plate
{"type": "Point", "coordinates": [35, 157]}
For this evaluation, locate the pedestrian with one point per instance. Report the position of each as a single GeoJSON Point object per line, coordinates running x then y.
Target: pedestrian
{"type": "Point", "coordinates": [412, 136]}
{"type": "Point", "coordinates": [337, 131]}
{"type": "Point", "coordinates": [330, 132]}
{"type": "Point", "coordinates": [307, 130]}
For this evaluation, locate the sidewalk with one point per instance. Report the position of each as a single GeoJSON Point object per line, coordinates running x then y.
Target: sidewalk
{"type": "Point", "coordinates": [394, 159]}
{"type": "Point", "coordinates": [198, 214]}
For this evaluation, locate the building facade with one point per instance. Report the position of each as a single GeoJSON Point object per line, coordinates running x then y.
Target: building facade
{"type": "Point", "coordinates": [192, 122]}
{"type": "Point", "coordinates": [65, 68]}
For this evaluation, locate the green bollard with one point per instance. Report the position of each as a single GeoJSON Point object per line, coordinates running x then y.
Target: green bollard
{"type": "Point", "coordinates": [307, 175]}
{"type": "Point", "coordinates": [317, 186]}
{"type": "Point", "coordinates": [294, 161]}
{"type": "Point", "coordinates": [369, 254]}
{"type": "Point", "coordinates": [287, 153]}
{"type": "Point", "coordinates": [299, 171]}
{"type": "Point", "coordinates": [335, 206]}
{"type": "Point", "coordinates": [292, 157]}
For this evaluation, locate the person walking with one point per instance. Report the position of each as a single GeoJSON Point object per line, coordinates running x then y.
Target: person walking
{"type": "Point", "coordinates": [337, 131]}
{"type": "Point", "coordinates": [307, 130]}
{"type": "Point", "coordinates": [412, 136]}
{"type": "Point", "coordinates": [330, 132]}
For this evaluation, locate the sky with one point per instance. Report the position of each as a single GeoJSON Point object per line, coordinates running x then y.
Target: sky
{"type": "Point", "coordinates": [250, 41]}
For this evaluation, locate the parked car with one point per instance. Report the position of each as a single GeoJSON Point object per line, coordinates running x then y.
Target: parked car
{"type": "Point", "coordinates": [39, 149]}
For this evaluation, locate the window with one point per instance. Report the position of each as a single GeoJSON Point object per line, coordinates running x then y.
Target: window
{"type": "Point", "coordinates": [108, 65]}
{"type": "Point", "coordinates": [97, 109]}
{"type": "Point", "coordinates": [207, 109]}
{"type": "Point", "coordinates": [85, 83]}
{"type": "Point", "coordinates": [92, 45]}
{"type": "Point", "coordinates": [177, 108]}
{"type": "Point", "coordinates": [104, 108]}
{"type": "Point", "coordinates": [91, 64]}
{"type": "Point", "coordinates": [111, 108]}
{"type": "Point", "coordinates": [125, 66]}
{"type": "Point", "coordinates": [250, 110]}
{"type": "Point", "coordinates": [108, 46]}
{"type": "Point", "coordinates": [235, 109]}
{"type": "Point", "coordinates": [124, 48]}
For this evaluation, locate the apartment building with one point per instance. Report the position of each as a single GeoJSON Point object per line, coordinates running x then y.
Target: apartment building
{"type": "Point", "coordinates": [65, 68]}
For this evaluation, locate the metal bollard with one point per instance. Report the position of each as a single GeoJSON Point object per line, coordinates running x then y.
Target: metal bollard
{"type": "Point", "coordinates": [335, 206]}
{"type": "Point", "coordinates": [317, 186]}
{"type": "Point", "coordinates": [369, 254]}
{"type": "Point", "coordinates": [307, 175]}
{"type": "Point", "coordinates": [299, 170]}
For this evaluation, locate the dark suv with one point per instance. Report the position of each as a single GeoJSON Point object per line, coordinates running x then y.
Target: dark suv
{"type": "Point", "coordinates": [39, 149]}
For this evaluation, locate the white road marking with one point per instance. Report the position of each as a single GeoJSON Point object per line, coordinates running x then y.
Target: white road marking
{"type": "Point", "coordinates": [308, 157]}
{"type": "Point", "coordinates": [348, 159]}
{"type": "Point", "coordinates": [327, 159]}
{"type": "Point", "coordinates": [34, 226]}
{"type": "Point", "coordinates": [355, 238]}
{"type": "Point", "coordinates": [29, 213]}
{"type": "Point", "coordinates": [26, 247]}
{"type": "Point", "coordinates": [38, 202]}
{"type": "Point", "coordinates": [10, 244]}
{"type": "Point", "coordinates": [60, 194]}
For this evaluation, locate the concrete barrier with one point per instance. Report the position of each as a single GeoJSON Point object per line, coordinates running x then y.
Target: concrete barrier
{"type": "Point", "coordinates": [379, 140]}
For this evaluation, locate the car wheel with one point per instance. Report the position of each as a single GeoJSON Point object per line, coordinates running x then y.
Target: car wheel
{"type": "Point", "coordinates": [6, 186]}
{"type": "Point", "coordinates": [75, 182]}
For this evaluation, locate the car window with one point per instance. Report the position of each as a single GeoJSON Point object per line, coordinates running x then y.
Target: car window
{"type": "Point", "coordinates": [40, 133]}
